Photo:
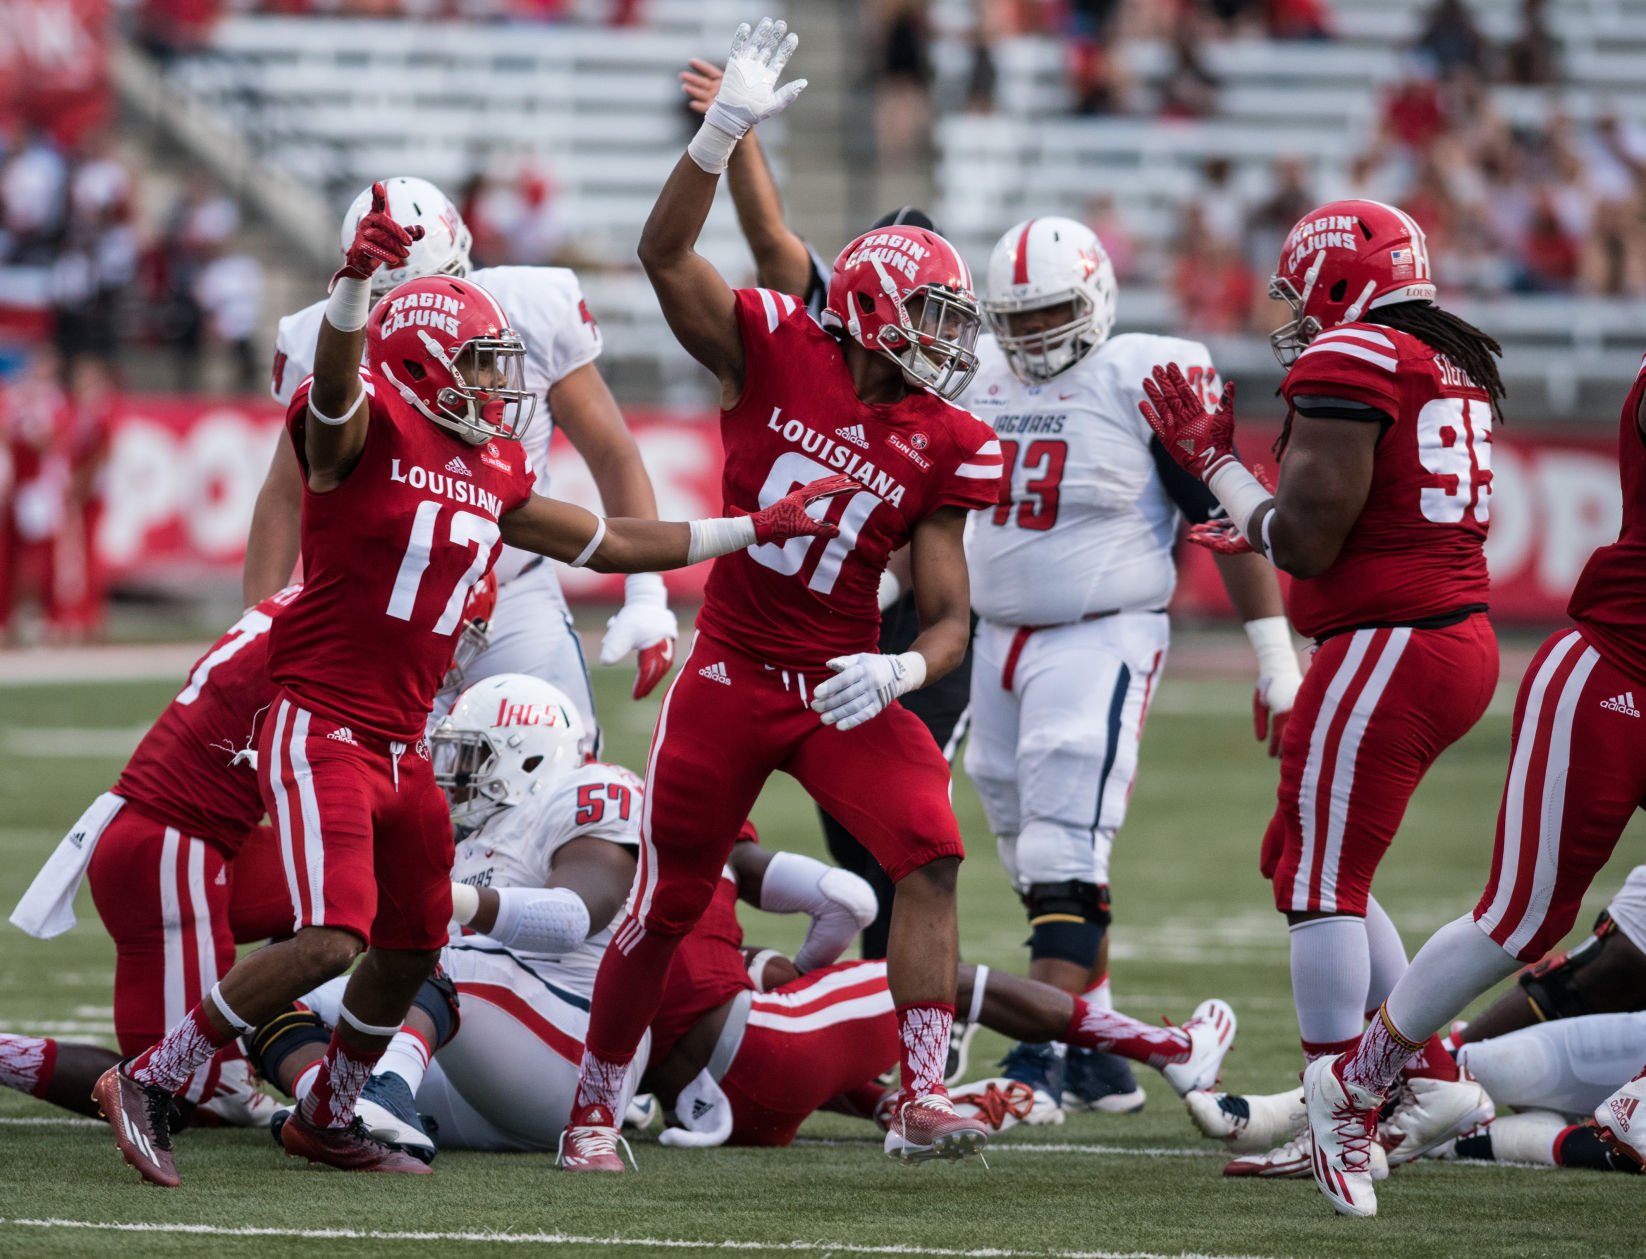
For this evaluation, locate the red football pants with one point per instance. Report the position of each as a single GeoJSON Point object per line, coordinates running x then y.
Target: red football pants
{"type": "Point", "coordinates": [811, 1040]}
{"type": "Point", "coordinates": [728, 722]}
{"type": "Point", "coordinates": [1376, 708]}
{"type": "Point", "coordinates": [1577, 773]}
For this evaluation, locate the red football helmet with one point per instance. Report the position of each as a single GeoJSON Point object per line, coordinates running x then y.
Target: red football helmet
{"type": "Point", "coordinates": [905, 292]}
{"type": "Point", "coordinates": [1342, 260]}
{"type": "Point", "coordinates": [475, 636]}
{"type": "Point", "coordinates": [446, 345]}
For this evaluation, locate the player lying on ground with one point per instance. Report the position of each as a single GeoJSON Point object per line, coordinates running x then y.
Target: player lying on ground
{"type": "Point", "coordinates": [1071, 574]}
{"type": "Point", "coordinates": [1380, 517]}
{"type": "Point", "coordinates": [746, 1061]}
{"type": "Point", "coordinates": [532, 631]}
{"type": "Point", "coordinates": [784, 674]}
{"type": "Point", "coordinates": [413, 478]}
{"type": "Point", "coordinates": [1577, 774]}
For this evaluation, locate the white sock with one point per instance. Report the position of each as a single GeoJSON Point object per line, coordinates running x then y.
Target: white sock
{"type": "Point", "coordinates": [305, 1080]}
{"type": "Point", "coordinates": [1455, 965]}
{"type": "Point", "coordinates": [1387, 954]}
{"type": "Point", "coordinates": [1568, 1065]}
{"type": "Point", "coordinates": [1331, 971]}
{"type": "Point", "coordinates": [1100, 996]}
{"type": "Point", "coordinates": [407, 1057]}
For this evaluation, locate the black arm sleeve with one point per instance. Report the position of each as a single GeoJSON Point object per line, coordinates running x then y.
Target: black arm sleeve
{"type": "Point", "coordinates": [1192, 496]}
{"type": "Point", "coordinates": [1316, 407]}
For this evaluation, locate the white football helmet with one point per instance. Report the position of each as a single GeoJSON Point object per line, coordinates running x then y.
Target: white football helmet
{"type": "Point", "coordinates": [444, 249]}
{"type": "Point", "coordinates": [1046, 262]}
{"type": "Point", "coordinates": [509, 737]}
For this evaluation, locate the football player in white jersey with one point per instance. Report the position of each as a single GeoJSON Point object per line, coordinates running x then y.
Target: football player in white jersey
{"type": "Point", "coordinates": [532, 632]}
{"type": "Point", "coordinates": [1071, 575]}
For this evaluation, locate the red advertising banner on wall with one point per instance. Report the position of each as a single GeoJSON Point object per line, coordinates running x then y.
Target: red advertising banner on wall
{"type": "Point", "coordinates": [184, 473]}
{"type": "Point", "coordinates": [54, 70]}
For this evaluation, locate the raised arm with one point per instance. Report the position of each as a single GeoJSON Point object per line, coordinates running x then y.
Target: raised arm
{"type": "Point", "coordinates": [695, 298]}
{"type": "Point", "coordinates": [332, 445]}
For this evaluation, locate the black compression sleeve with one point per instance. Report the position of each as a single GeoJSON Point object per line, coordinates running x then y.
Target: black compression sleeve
{"type": "Point", "coordinates": [1317, 407]}
{"type": "Point", "coordinates": [1192, 496]}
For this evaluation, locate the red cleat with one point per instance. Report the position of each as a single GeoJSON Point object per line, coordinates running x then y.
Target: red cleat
{"type": "Point", "coordinates": [140, 1115]}
{"type": "Point", "coordinates": [928, 1127]}
{"type": "Point", "coordinates": [590, 1143]}
{"type": "Point", "coordinates": [352, 1149]}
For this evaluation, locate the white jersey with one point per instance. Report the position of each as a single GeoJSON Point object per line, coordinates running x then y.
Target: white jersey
{"type": "Point", "coordinates": [544, 305]}
{"type": "Point", "coordinates": [1095, 500]}
{"type": "Point", "coordinates": [514, 847]}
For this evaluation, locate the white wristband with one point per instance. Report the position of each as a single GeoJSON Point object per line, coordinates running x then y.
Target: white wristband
{"type": "Point", "coordinates": [1241, 494]}
{"type": "Point", "coordinates": [349, 304]}
{"type": "Point", "coordinates": [711, 148]}
{"type": "Point", "coordinates": [465, 903]}
{"type": "Point", "coordinates": [914, 672]}
{"type": "Point", "coordinates": [1271, 639]}
{"type": "Point", "coordinates": [587, 553]}
{"type": "Point", "coordinates": [720, 535]}
{"type": "Point", "coordinates": [334, 421]}
{"type": "Point", "coordinates": [644, 588]}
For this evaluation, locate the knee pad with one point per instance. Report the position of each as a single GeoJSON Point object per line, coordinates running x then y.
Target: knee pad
{"type": "Point", "coordinates": [1568, 985]}
{"type": "Point", "coordinates": [1067, 920]}
{"type": "Point", "coordinates": [437, 998]}
{"type": "Point", "coordinates": [271, 1043]}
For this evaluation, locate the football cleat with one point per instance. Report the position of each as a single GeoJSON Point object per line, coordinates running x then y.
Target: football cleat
{"type": "Point", "coordinates": [1287, 1161]}
{"type": "Point", "coordinates": [1248, 1123]}
{"type": "Point", "coordinates": [238, 1101]}
{"type": "Point", "coordinates": [590, 1143]}
{"type": "Point", "coordinates": [1621, 1121]}
{"type": "Point", "coordinates": [351, 1149]}
{"type": "Point", "coordinates": [1343, 1128]}
{"type": "Point", "coordinates": [1432, 1113]}
{"type": "Point", "coordinates": [960, 1046]}
{"type": "Point", "coordinates": [1041, 1068]}
{"type": "Point", "coordinates": [1100, 1082]}
{"type": "Point", "coordinates": [1211, 1030]}
{"type": "Point", "coordinates": [1000, 1103]}
{"type": "Point", "coordinates": [929, 1128]}
{"type": "Point", "coordinates": [140, 1115]}
{"type": "Point", "coordinates": [390, 1115]}
{"type": "Point", "coordinates": [642, 1112]}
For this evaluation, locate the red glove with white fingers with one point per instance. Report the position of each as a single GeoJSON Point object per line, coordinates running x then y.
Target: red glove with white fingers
{"type": "Point", "coordinates": [787, 518]}
{"type": "Point", "coordinates": [1201, 441]}
{"type": "Point", "coordinates": [378, 240]}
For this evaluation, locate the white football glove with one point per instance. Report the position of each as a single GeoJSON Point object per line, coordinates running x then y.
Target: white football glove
{"type": "Point", "coordinates": [748, 91]}
{"type": "Point", "coordinates": [704, 1115]}
{"type": "Point", "coordinates": [646, 625]}
{"type": "Point", "coordinates": [865, 683]}
{"type": "Point", "coordinates": [1278, 678]}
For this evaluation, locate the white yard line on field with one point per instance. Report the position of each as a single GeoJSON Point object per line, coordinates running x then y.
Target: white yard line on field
{"type": "Point", "coordinates": [1043, 1147]}
{"type": "Point", "coordinates": [572, 1239]}
{"type": "Point", "coordinates": [49, 1121]}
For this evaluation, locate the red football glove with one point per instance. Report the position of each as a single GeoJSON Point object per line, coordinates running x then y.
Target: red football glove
{"type": "Point", "coordinates": [787, 518]}
{"type": "Point", "coordinates": [1200, 440]}
{"type": "Point", "coordinates": [1265, 726]}
{"type": "Point", "coordinates": [1220, 536]}
{"type": "Point", "coordinates": [378, 239]}
{"type": "Point", "coordinates": [652, 664]}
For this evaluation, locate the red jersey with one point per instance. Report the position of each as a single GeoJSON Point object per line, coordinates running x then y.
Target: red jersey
{"type": "Point", "coordinates": [183, 772]}
{"type": "Point", "coordinates": [1609, 601]}
{"type": "Point", "coordinates": [388, 560]}
{"type": "Point", "coordinates": [803, 602]}
{"type": "Point", "coordinates": [1417, 550]}
{"type": "Point", "coordinates": [707, 969]}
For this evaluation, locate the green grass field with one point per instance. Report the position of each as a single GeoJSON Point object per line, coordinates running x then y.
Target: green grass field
{"type": "Point", "coordinates": [1193, 919]}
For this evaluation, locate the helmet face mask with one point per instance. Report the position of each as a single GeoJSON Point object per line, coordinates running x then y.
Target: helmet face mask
{"type": "Point", "coordinates": [487, 398]}
{"type": "Point", "coordinates": [1042, 351]}
{"type": "Point", "coordinates": [935, 339]}
{"type": "Point", "coordinates": [1292, 337]}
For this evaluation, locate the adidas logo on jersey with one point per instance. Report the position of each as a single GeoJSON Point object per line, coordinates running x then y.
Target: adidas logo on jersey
{"type": "Point", "coordinates": [716, 672]}
{"type": "Point", "coordinates": [343, 735]}
{"type": "Point", "coordinates": [458, 466]}
{"type": "Point", "coordinates": [854, 434]}
{"type": "Point", "coordinates": [1624, 703]}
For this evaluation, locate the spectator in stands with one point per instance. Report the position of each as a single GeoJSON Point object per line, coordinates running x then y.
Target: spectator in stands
{"type": "Point", "coordinates": [1452, 40]}
{"type": "Point", "coordinates": [1549, 256]}
{"type": "Point", "coordinates": [903, 79]}
{"type": "Point", "coordinates": [77, 597]}
{"type": "Point", "coordinates": [1298, 19]}
{"type": "Point", "coordinates": [1211, 280]}
{"type": "Point", "coordinates": [1532, 57]}
{"type": "Point", "coordinates": [1103, 217]}
{"type": "Point", "coordinates": [33, 416]}
{"type": "Point", "coordinates": [1268, 224]}
{"type": "Point", "coordinates": [1189, 89]}
{"type": "Point", "coordinates": [229, 293]}
{"type": "Point", "coordinates": [33, 199]}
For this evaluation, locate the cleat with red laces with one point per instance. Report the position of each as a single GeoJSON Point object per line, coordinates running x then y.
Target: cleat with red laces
{"type": "Point", "coordinates": [928, 1127]}
{"type": "Point", "coordinates": [590, 1143]}
{"type": "Point", "coordinates": [1211, 1030]}
{"type": "Point", "coordinates": [1000, 1102]}
{"type": "Point", "coordinates": [1621, 1119]}
{"type": "Point", "coordinates": [352, 1149]}
{"type": "Point", "coordinates": [140, 1115]}
{"type": "Point", "coordinates": [1343, 1127]}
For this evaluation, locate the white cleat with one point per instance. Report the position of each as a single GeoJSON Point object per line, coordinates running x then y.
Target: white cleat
{"type": "Point", "coordinates": [1432, 1113]}
{"type": "Point", "coordinates": [1248, 1123]}
{"type": "Point", "coordinates": [238, 1101]}
{"type": "Point", "coordinates": [1290, 1160]}
{"type": "Point", "coordinates": [1211, 1030]}
{"type": "Point", "coordinates": [1343, 1129]}
{"type": "Point", "coordinates": [642, 1113]}
{"type": "Point", "coordinates": [1000, 1103]}
{"type": "Point", "coordinates": [1621, 1119]}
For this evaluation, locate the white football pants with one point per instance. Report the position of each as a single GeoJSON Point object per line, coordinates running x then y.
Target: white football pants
{"type": "Point", "coordinates": [1567, 1065]}
{"type": "Point", "coordinates": [1628, 908]}
{"type": "Point", "coordinates": [1056, 718]}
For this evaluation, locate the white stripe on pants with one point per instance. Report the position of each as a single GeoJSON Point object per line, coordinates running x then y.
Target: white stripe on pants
{"type": "Point", "coordinates": [179, 850]}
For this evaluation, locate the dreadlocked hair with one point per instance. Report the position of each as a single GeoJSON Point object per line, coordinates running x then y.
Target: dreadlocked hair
{"type": "Point", "coordinates": [1471, 350]}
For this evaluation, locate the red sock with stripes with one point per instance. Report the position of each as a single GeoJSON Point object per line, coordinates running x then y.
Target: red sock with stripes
{"type": "Point", "coordinates": [923, 1032]}
{"type": "Point", "coordinates": [627, 992]}
{"type": "Point", "coordinates": [187, 1046]}
{"type": "Point", "coordinates": [27, 1063]}
{"type": "Point", "coordinates": [1112, 1033]}
{"type": "Point", "coordinates": [1376, 1061]}
{"type": "Point", "coordinates": [343, 1074]}
{"type": "Point", "coordinates": [1433, 1062]}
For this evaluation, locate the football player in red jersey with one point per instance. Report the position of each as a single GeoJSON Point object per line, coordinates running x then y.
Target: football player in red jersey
{"type": "Point", "coordinates": [1380, 516]}
{"type": "Point", "coordinates": [783, 674]}
{"type": "Point", "coordinates": [1577, 774]}
{"type": "Point", "coordinates": [413, 477]}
